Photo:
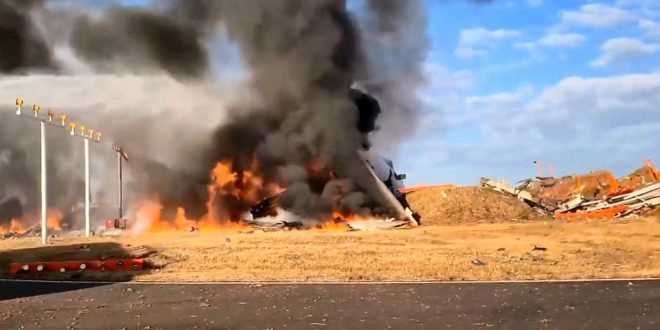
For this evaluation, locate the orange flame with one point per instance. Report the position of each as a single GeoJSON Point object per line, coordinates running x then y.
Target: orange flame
{"type": "Point", "coordinates": [316, 166]}
{"type": "Point", "coordinates": [353, 217]}
{"type": "Point", "coordinates": [54, 220]}
{"type": "Point", "coordinates": [333, 226]}
{"type": "Point", "coordinates": [149, 220]}
{"type": "Point", "coordinates": [230, 193]}
{"type": "Point", "coordinates": [241, 189]}
{"type": "Point", "coordinates": [274, 189]}
{"type": "Point", "coordinates": [14, 226]}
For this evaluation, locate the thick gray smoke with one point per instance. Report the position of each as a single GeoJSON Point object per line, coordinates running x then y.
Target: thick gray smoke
{"type": "Point", "coordinates": [139, 40]}
{"type": "Point", "coordinates": [21, 46]}
{"type": "Point", "coordinates": [301, 59]}
{"type": "Point", "coordinates": [396, 61]}
{"type": "Point", "coordinates": [163, 123]}
{"type": "Point", "coordinates": [144, 113]}
{"type": "Point", "coordinates": [303, 63]}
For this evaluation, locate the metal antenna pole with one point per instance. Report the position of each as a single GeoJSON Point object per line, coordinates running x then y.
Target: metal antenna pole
{"type": "Point", "coordinates": [44, 187]}
{"type": "Point", "coordinates": [87, 188]}
{"type": "Point", "coordinates": [121, 197]}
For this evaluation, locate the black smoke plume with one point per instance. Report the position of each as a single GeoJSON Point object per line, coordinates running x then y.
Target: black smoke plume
{"type": "Point", "coordinates": [140, 40]}
{"type": "Point", "coordinates": [21, 46]}
{"type": "Point", "coordinates": [302, 59]}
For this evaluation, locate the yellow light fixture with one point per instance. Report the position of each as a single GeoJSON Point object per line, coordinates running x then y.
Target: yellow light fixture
{"type": "Point", "coordinates": [36, 109]}
{"type": "Point", "coordinates": [19, 106]}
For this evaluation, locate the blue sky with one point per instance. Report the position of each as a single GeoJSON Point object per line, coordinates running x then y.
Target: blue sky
{"type": "Point", "coordinates": [569, 82]}
{"type": "Point", "coordinates": [576, 83]}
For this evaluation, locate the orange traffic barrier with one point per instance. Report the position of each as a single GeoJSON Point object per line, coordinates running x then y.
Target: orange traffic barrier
{"type": "Point", "coordinates": [607, 213]}
{"type": "Point", "coordinates": [77, 265]}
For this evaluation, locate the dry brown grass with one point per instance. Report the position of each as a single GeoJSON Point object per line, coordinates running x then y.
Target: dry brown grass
{"type": "Point", "coordinates": [579, 249]}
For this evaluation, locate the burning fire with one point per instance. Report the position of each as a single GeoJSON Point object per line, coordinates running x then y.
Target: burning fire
{"type": "Point", "coordinates": [231, 194]}
{"type": "Point", "coordinates": [53, 222]}
{"type": "Point", "coordinates": [333, 226]}
{"type": "Point", "coordinates": [14, 226]}
{"type": "Point", "coordinates": [149, 219]}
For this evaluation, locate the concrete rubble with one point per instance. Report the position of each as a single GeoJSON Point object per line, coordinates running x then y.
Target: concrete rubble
{"type": "Point", "coordinates": [594, 195]}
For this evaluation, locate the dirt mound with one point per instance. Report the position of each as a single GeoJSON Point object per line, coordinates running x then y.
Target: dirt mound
{"type": "Point", "coordinates": [655, 213]}
{"type": "Point", "coordinates": [640, 177]}
{"type": "Point", "coordinates": [469, 205]}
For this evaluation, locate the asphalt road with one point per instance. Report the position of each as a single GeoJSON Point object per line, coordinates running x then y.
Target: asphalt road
{"type": "Point", "coordinates": [569, 305]}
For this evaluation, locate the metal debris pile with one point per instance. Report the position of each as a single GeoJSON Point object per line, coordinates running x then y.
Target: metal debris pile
{"type": "Point", "coordinates": [34, 231]}
{"type": "Point", "coordinates": [283, 220]}
{"type": "Point", "coordinates": [596, 195]}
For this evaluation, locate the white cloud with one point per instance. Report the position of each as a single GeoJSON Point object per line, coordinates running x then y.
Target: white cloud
{"type": "Point", "coordinates": [648, 4]}
{"type": "Point", "coordinates": [528, 46]}
{"type": "Point", "coordinates": [477, 42]}
{"type": "Point", "coordinates": [612, 96]}
{"type": "Point", "coordinates": [649, 9]}
{"type": "Point", "coordinates": [467, 53]}
{"type": "Point", "coordinates": [439, 80]}
{"type": "Point", "coordinates": [534, 3]}
{"type": "Point", "coordinates": [531, 47]}
{"type": "Point", "coordinates": [573, 123]}
{"type": "Point", "coordinates": [443, 91]}
{"type": "Point", "coordinates": [443, 86]}
{"type": "Point", "coordinates": [551, 40]}
{"type": "Point", "coordinates": [499, 105]}
{"type": "Point", "coordinates": [481, 35]}
{"type": "Point", "coordinates": [623, 50]}
{"type": "Point", "coordinates": [562, 40]}
{"type": "Point", "coordinates": [652, 28]}
{"type": "Point", "coordinates": [598, 16]}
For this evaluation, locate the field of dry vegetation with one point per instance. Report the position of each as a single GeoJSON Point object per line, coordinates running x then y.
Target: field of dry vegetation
{"type": "Point", "coordinates": [499, 251]}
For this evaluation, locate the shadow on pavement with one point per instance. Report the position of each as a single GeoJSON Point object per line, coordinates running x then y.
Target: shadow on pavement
{"type": "Point", "coordinates": [83, 252]}
{"type": "Point", "coordinates": [14, 290]}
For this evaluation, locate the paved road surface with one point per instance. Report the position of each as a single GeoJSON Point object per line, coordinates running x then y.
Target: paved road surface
{"type": "Point", "coordinates": [588, 305]}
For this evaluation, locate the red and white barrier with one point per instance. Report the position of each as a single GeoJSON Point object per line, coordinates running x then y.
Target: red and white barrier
{"type": "Point", "coordinates": [77, 265]}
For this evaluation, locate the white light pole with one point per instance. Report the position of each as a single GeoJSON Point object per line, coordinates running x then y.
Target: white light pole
{"type": "Point", "coordinates": [86, 134]}
{"type": "Point", "coordinates": [87, 190]}
{"type": "Point", "coordinates": [44, 170]}
{"type": "Point", "coordinates": [44, 186]}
